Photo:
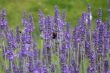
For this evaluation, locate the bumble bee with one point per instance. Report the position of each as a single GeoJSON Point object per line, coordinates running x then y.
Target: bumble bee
{"type": "Point", "coordinates": [54, 35]}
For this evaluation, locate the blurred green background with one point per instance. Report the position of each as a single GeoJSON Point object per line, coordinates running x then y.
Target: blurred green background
{"type": "Point", "coordinates": [73, 8]}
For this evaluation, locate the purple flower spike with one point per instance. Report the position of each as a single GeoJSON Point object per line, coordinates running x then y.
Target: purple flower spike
{"type": "Point", "coordinates": [56, 15]}
{"type": "Point", "coordinates": [41, 21]}
{"type": "Point", "coordinates": [52, 68]}
{"type": "Point", "coordinates": [100, 14]}
{"type": "Point", "coordinates": [30, 23]}
{"type": "Point", "coordinates": [63, 16]}
{"type": "Point", "coordinates": [3, 21]}
{"type": "Point", "coordinates": [3, 13]}
{"type": "Point", "coordinates": [106, 66]}
{"type": "Point", "coordinates": [99, 20]}
{"type": "Point", "coordinates": [24, 19]}
{"type": "Point", "coordinates": [89, 17]}
{"type": "Point", "coordinates": [18, 37]}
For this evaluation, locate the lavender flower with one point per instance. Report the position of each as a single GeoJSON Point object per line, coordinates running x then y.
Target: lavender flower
{"type": "Point", "coordinates": [52, 68]}
{"type": "Point", "coordinates": [3, 21]}
{"type": "Point", "coordinates": [73, 48]}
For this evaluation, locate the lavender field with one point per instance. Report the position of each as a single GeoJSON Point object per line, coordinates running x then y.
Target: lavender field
{"type": "Point", "coordinates": [59, 47]}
